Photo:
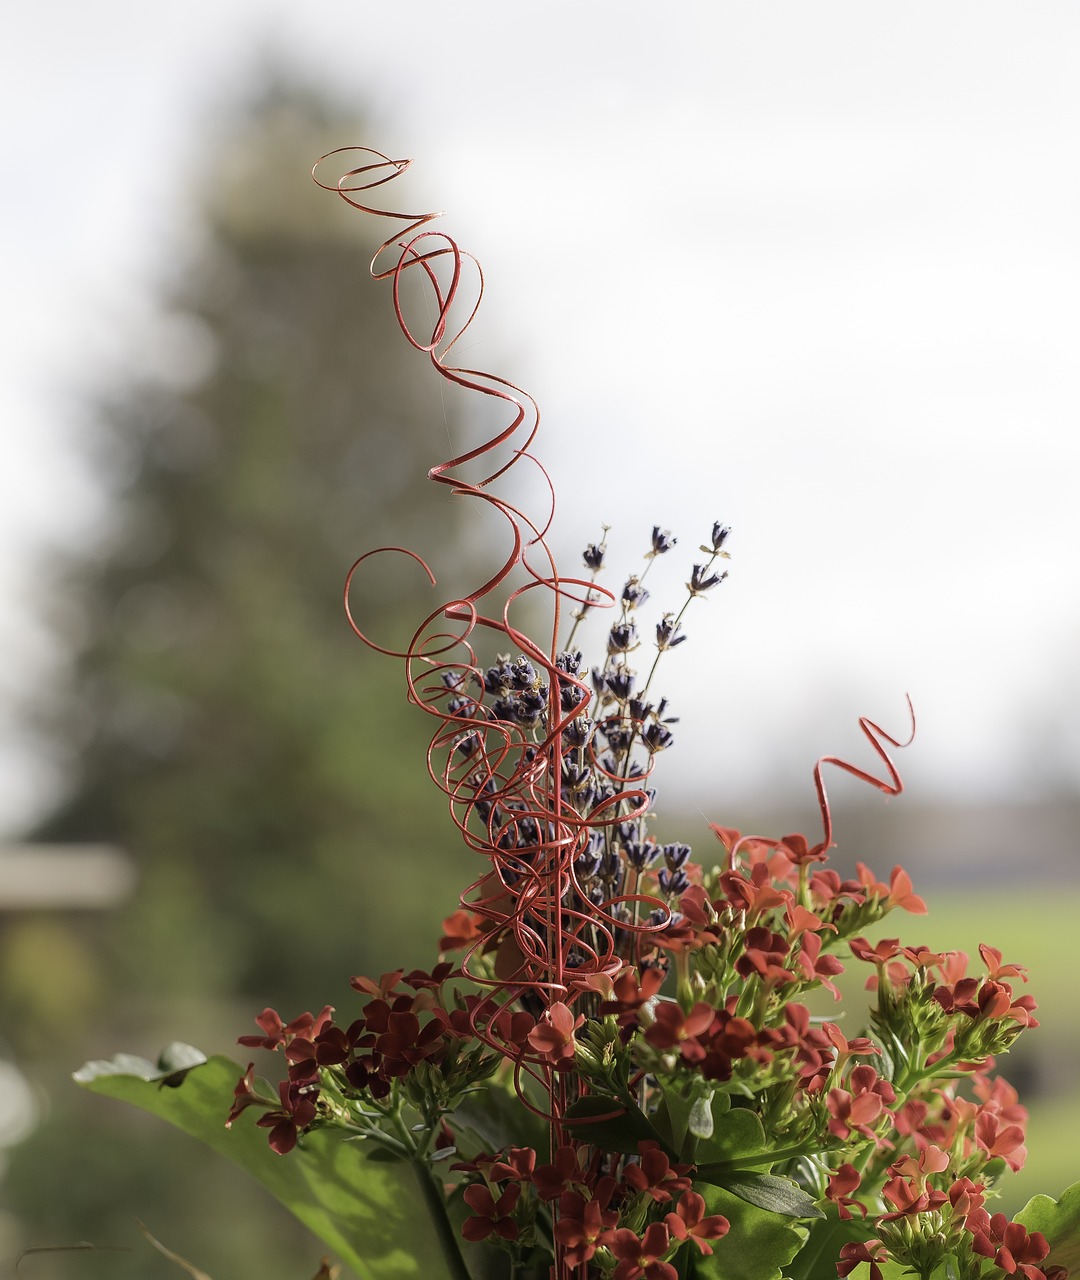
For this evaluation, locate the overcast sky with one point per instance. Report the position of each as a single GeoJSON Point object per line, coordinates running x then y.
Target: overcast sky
{"type": "Point", "coordinates": [811, 269]}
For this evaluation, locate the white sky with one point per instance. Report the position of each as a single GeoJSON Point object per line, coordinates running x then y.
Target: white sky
{"type": "Point", "coordinates": [808, 268]}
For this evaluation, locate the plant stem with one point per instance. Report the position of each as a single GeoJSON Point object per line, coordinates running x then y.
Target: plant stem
{"type": "Point", "coordinates": [444, 1228]}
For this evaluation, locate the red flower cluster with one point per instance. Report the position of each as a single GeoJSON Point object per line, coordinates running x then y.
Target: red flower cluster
{"type": "Point", "coordinates": [384, 1044]}
{"type": "Point", "coordinates": [589, 1206]}
{"type": "Point", "coordinates": [579, 912]}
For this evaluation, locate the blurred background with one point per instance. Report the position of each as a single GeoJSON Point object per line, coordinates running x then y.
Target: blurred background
{"type": "Point", "coordinates": [808, 270]}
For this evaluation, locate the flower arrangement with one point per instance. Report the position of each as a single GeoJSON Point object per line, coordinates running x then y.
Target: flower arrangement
{"type": "Point", "coordinates": [613, 1069]}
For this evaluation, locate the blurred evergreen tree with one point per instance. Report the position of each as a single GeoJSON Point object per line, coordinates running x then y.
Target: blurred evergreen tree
{"type": "Point", "coordinates": [224, 725]}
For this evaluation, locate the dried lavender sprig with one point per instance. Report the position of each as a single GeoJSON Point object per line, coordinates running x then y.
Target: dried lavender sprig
{"type": "Point", "coordinates": [593, 556]}
{"type": "Point", "coordinates": [633, 719]}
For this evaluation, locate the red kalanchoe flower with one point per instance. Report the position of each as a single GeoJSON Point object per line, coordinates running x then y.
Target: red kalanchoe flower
{"type": "Point", "coordinates": [959, 997]}
{"type": "Point", "coordinates": [583, 1224]}
{"type": "Point", "coordinates": [327, 1049]}
{"type": "Point", "coordinates": [995, 999]}
{"type": "Point", "coordinates": [902, 895]}
{"type": "Point", "coordinates": [513, 1028]}
{"type": "Point", "coordinates": [800, 920]}
{"type": "Point", "coordinates": [642, 1255]}
{"type": "Point", "coordinates": [244, 1095]}
{"type": "Point", "coordinates": [826, 889]}
{"type": "Point", "coordinates": [553, 1035]}
{"type": "Point", "coordinates": [727, 836]}
{"type": "Point", "coordinates": [517, 1163]}
{"type": "Point", "coordinates": [992, 959]}
{"type": "Point", "coordinates": [689, 1222]}
{"type": "Point", "coordinates": [279, 1033]}
{"type": "Point", "coordinates": [296, 1112]}
{"type": "Point", "coordinates": [1009, 1244]}
{"type": "Point", "coordinates": [691, 929]}
{"type": "Point", "coordinates": [490, 1215]}
{"type": "Point", "coordinates": [563, 1174]}
{"type": "Point", "coordinates": [755, 895]}
{"type": "Point", "coordinates": [908, 1188]}
{"type": "Point", "coordinates": [999, 1097]}
{"type": "Point", "coordinates": [862, 1107]}
{"type": "Point", "coordinates": [384, 988]}
{"type": "Point", "coordinates": [811, 1044]}
{"type": "Point", "coordinates": [404, 1043]}
{"type": "Point", "coordinates": [998, 1138]}
{"type": "Point", "coordinates": [966, 1198]}
{"type": "Point", "coordinates": [695, 906]}
{"type": "Point", "coordinates": [879, 954]}
{"type": "Point", "coordinates": [461, 929]}
{"type": "Point", "coordinates": [655, 1175]}
{"type": "Point", "coordinates": [377, 1013]}
{"type": "Point", "coordinates": [420, 979]}
{"type": "Point", "coordinates": [859, 1047]}
{"type": "Point", "coordinates": [843, 1183]}
{"type": "Point", "coordinates": [897, 893]}
{"type": "Point", "coordinates": [819, 966]}
{"type": "Point", "coordinates": [728, 1039]}
{"type": "Point", "coordinates": [629, 994]}
{"type": "Point", "coordinates": [923, 958]}
{"type": "Point", "coordinates": [772, 858]}
{"type": "Point", "coordinates": [907, 1197]}
{"type": "Point", "coordinates": [858, 1252]}
{"type": "Point", "coordinates": [671, 1027]}
{"type": "Point", "coordinates": [800, 851]}
{"type": "Point", "coordinates": [764, 953]}
{"type": "Point", "coordinates": [895, 973]}
{"type": "Point", "coordinates": [909, 1120]}
{"type": "Point", "coordinates": [1022, 1009]}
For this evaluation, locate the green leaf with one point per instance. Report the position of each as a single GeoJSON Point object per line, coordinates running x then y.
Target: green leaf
{"type": "Point", "coordinates": [738, 1140]}
{"type": "Point", "coordinates": [777, 1195]}
{"type": "Point", "coordinates": [173, 1064]}
{"type": "Point", "coordinates": [673, 1114]}
{"type": "Point", "coordinates": [759, 1245]}
{"type": "Point", "coordinates": [680, 1101]}
{"type": "Point", "coordinates": [700, 1123]}
{"type": "Point", "coordinates": [621, 1132]}
{"type": "Point", "coordinates": [383, 1155]}
{"type": "Point", "coordinates": [818, 1257]}
{"type": "Point", "coordinates": [371, 1214]}
{"type": "Point", "coordinates": [1059, 1221]}
{"type": "Point", "coordinates": [495, 1115]}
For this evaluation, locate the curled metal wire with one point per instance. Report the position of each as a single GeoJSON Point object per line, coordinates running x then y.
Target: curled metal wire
{"type": "Point", "coordinates": [504, 789]}
{"type": "Point", "coordinates": [504, 786]}
{"type": "Point", "coordinates": [891, 785]}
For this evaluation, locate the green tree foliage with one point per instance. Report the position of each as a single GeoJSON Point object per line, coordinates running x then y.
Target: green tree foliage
{"type": "Point", "coordinates": [256, 760]}
{"type": "Point", "coordinates": [224, 726]}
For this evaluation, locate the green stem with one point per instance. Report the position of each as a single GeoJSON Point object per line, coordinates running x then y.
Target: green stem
{"type": "Point", "coordinates": [444, 1228]}
{"type": "Point", "coordinates": [749, 1162]}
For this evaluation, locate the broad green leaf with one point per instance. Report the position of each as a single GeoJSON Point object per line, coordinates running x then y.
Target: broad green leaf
{"type": "Point", "coordinates": [679, 1101]}
{"type": "Point", "coordinates": [372, 1215]}
{"type": "Point", "coordinates": [738, 1140]}
{"type": "Point", "coordinates": [893, 1270]}
{"type": "Point", "coordinates": [1059, 1221]}
{"type": "Point", "coordinates": [173, 1064]}
{"type": "Point", "coordinates": [818, 1257]}
{"type": "Point", "coordinates": [614, 1132]}
{"type": "Point", "coordinates": [759, 1246]}
{"type": "Point", "coordinates": [497, 1118]}
{"type": "Point", "coordinates": [777, 1195]}
{"type": "Point", "coordinates": [672, 1116]}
